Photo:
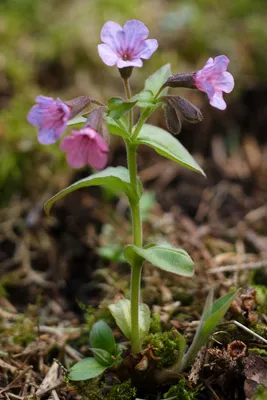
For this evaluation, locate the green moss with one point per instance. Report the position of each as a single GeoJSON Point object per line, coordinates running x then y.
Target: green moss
{"type": "Point", "coordinates": [122, 391]}
{"type": "Point", "coordinates": [155, 325]}
{"type": "Point", "coordinates": [93, 390]}
{"type": "Point", "coordinates": [181, 391]}
{"type": "Point", "coordinates": [261, 291]}
{"type": "Point", "coordinates": [166, 347]}
{"type": "Point", "coordinates": [260, 352]}
{"type": "Point", "coordinates": [261, 393]}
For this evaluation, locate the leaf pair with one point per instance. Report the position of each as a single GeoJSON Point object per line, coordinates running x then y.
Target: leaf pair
{"type": "Point", "coordinates": [105, 350]}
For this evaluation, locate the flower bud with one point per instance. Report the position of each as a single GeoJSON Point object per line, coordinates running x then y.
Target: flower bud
{"type": "Point", "coordinates": [172, 119]}
{"type": "Point", "coordinates": [78, 104]}
{"type": "Point", "coordinates": [190, 112]}
{"type": "Point", "coordinates": [181, 80]}
{"type": "Point", "coordinates": [95, 120]}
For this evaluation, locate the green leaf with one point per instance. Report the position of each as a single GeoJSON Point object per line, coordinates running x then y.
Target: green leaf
{"type": "Point", "coordinates": [155, 81]}
{"type": "Point", "coordinates": [167, 145]}
{"type": "Point", "coordinates": [163, 256]}
{"type": "Point", "coordinates": [115, 178]}
{"type": "Point", "coordinates": [103, 356]}
{"type": "Point", "coordinates": [144, 99]}
{"type": "Point", "coordinates": [116, 128]}
{"type": "Point", "coordinates": [121, 312]}
{"type": "Point", "coordinates": [101, 337]}
{"type": "Point", "coordinates": [118, 107]}
{"type": "Point", "coordinates": [211, 316]}
{"type": "Point", "coordinates": [78, 119]}
{"type": "Point", "coordinates": [87, 368]}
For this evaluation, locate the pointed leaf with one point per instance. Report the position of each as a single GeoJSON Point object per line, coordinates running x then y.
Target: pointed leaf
{"type": "Point", "coordinates": [163, 256]}
{"type": "Point", "coordinates": [155, 81]}
{"type": "Point", "coordinates": [87, 368]}
{"type": "Point", "coordinates": [114, 178]}
{"type": "Point", "coordinates": [116, 127]}
{"type": "Point", "coordinates": [145, 99]}
{"type": "Point", "coordinates": [79, 119]}
{"type": "Point", "coordinates": [101, 337]}
{"type": "Point", "coordinates": [168, 146]}
{"type": "Point", "coordinates": [118, 107]}
{"type": "Point", "coordinates": [209, 320]}
{"type": "Point", "coordinates": [121, 312]}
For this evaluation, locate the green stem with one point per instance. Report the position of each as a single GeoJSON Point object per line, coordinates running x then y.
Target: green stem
{"type": "Point", "coordinates": [141, 122]}
{"type": "Point", "coordinates": [128, 96]}
{"type": "Point", "coordinates": [137, 239]}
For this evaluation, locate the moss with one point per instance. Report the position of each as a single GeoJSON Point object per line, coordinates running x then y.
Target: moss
{"type": "Point", "coordinates": [261, 295]}
{"type": "Point", "coordinates": [261, 393]}
{"type": "Point", "coordinates": [260, 352]}
{"type": "Point", "coordinates": [181, 391]}
{"type": "Point", "coordinates": [155, 325]}
{"type": "Point", "coordinates": [122, 391]}
{"type": "Point", "coordinates": [92, 389]}
{"type": "Point", "coordinates": [166, 347]}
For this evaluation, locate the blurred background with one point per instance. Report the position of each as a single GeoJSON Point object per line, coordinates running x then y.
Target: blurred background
{"type": "Point", "coordinates": [50, 48]}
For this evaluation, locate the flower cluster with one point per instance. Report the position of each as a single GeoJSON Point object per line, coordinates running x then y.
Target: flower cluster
{"type": "Point", "coordinates": [125, 47]}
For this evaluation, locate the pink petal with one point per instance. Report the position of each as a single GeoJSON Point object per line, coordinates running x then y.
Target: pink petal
{"type": "Point", "coordinates": [133, 63]}
{"type": "Point", "coordinates": [76, 149]}
{"type": "Point", "coordinates": [96, 157]}
{"type": "Point", "coordinates": [109, 57]}
{"type": "Point", "coordinates": [34, 116]}
{"type": "Point", "coordinates": [218, 101]}
{"type": "Point", "coordinates": [221, 63]}
{"type": "Point", "coordinates": [109, 33]}
{"type": "Point", "coordinates": [135, 31]}
{"type": "Point", "coordinates": [43, 100]}
{"type": "Point", "coordinates": [209, 63]}
{"type": "Point", "coordinates": [151, 45]}
{"type": "Point", "coordinates": [225, 82]}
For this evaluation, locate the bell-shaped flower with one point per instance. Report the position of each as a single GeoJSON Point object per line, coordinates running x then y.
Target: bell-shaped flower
{"type": "Point", "coordinates": [85, 146]}
{"type": "Point", "coordinates": [126, 46]}
{"type": "Point", "coordinates": [51, 117]}
{"type": "Point", "coordinates": [214, 80]}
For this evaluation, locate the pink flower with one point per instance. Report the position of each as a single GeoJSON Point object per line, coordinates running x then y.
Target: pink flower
{"type": "Point", "coordinates": [213, 79]}
{"type": "Point", "coordinates": [126, 46]}
{"type": "Point", "coordinates": [85, 147]}
{"type": "Point", "coordinates": [51, 117]}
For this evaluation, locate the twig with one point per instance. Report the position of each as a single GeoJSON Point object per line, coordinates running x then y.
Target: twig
{"type": "Point", "coordinates": [236, 267]}
{"type": "Point", "coordinates": [250, 331]}
{"type": "Point", "coordinates": [9, 386]}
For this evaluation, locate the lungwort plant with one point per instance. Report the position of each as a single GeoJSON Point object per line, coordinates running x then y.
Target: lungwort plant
{"type": "Point", "coordinates": [88, 144]}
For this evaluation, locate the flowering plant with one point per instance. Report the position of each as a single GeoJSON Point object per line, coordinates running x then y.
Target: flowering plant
{"type": "Point", "coordinates": [126, 47]}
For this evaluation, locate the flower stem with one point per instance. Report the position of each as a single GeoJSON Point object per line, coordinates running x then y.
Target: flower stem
{"type": "Point", "coordinates": [128, 96]}
{"type": "Point", "coordinates": [137, 239]}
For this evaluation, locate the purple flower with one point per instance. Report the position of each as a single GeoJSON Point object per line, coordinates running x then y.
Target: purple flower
{"type": "Point", "coordinates": [213, 79]}
{"type": "Point", "coordinates": [51, 117]}
{"type": "Point", "coordinates": [126, 46]}
{"type": "Point", "coordinates": [85, 147]}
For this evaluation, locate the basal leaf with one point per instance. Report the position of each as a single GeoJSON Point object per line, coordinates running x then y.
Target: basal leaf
{"type": "Point", "coordinates": [87, 368]}
{"type": "Point", "coordinates": [101, 337]}
{"type": "Point", "coordinates": [163, 256]}
{"type": "Point", "coordinates": [155, 81]}
{"type": "Point", "coordinates": [212, 315]}
{"type": "Point", "coordinates": [167, 145]}
{"type": "Point", "coordinates": [121, 312]}
{"type": "Point", "coordinates": [114, 178]}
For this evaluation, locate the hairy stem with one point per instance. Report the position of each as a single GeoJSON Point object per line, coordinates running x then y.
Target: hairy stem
{"type": "Point", "coordinates": [128, 96]}
{"type": "Point", "coordinates": [137, 239]}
